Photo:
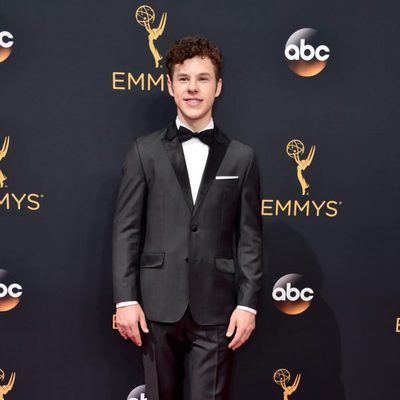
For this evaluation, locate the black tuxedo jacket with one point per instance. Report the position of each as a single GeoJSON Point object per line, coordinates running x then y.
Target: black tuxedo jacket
{"type": "Point", "coordinates": [169, 252]}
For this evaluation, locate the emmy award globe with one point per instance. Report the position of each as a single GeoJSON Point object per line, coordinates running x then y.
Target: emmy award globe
{"type": "Point", "coordinates": [295, 148]}
{"type": "Point", "coordinates": [281, 375]}
{"type": "Point", "coordinates": [145, 16]}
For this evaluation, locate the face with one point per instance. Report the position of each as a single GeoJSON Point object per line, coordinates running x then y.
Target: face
{"type": "Point", "coordinates": [194, 88]}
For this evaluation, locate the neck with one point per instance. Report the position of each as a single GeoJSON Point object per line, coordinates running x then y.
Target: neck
{"type": "Point", "coordinates": [195, 125]}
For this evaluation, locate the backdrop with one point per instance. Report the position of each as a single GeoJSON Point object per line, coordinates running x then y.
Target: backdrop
{"type": "Point", "coordinates": [311, 86]}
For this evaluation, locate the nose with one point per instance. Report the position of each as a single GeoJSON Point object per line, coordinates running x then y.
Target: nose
{"type": "Point", "coordinates": [192, 87]}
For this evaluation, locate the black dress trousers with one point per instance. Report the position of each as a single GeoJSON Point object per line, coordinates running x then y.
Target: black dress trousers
{"type": "Point", "coordinates": [167, 347]}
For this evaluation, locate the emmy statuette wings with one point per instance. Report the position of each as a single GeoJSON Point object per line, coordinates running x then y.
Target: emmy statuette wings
{"type": "Point", "coordinates": [3, 153]}
{"type": "Point", "coordinates": [4, 389]}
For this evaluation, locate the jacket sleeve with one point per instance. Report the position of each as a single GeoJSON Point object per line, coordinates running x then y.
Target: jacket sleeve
{"type": "Point", "coordinates": [249, 238]}
{"type": "Point", "coordinates": [128, 228]}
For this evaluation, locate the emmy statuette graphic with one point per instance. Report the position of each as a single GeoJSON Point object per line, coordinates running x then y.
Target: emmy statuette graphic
{"type": "Point", "coordinates": [4, 389]}
{"type": "Point", "coordinates": [295, 149]}
{"type": "Point", "coordinates": [281, 376]}
{"type": "Point", "coordinates": [3, 153]}
{"type": "Point", "coordinates": [145, 16]}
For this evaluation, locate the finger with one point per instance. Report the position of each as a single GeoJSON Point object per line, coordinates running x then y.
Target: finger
{"type": "Point", "coordinates": [245, 338]}
{"type": "Point", "coordinates": [242, 340]}
{"type": "Point", "coordinates": [122, 330]}
{"type": "Point", "coordinates": [122, 333]}
{"type": "Point", "coordinates": [135, 335]}
{"type": "Point", "coordinates": [237, 338]}
{"type": "Point", "coordinates": [125, 329]}
{"type": "Point", "coordinates": [231, 327]}
{"type": "Point", "coordinates": [238, 343]}
{"type": "Point", "coordinates": [244, 335]}
{"type": "Point", "coordinates": [143, 323]}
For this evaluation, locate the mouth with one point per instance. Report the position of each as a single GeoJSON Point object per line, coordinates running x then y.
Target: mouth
{"type": "Point", "coordinates": [193, 101]}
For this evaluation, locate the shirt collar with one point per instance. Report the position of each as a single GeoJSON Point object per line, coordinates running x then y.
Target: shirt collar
{"type": "Point", "coordinates": [179, 123]}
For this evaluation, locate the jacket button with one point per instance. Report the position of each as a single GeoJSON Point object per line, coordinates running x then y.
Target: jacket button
{"type": "Point", "coordinates": [187, 259]}
{"type": "Point", "coordinates": [194, 228]}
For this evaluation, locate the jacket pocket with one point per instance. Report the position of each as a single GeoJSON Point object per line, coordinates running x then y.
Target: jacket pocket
{"type": "Point", "coordinates": [220, 182]}
{"type": "Point", "coordinates": [151, 260]}
{"type": "Point", "coordinates": [225, 264]}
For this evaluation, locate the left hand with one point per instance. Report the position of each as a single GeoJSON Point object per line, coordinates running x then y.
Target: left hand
{"type": "Point", "coordinates": [244, 322]}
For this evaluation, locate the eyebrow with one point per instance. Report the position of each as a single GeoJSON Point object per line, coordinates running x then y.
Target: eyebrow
{"type": "Point", "coordinates": [201, 74]}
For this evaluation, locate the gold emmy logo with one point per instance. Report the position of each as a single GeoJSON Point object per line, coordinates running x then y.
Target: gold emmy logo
{"type": "Point", "coordinates": [145, 16]}
{"type": "Point", "coordinates": [8, 200]}
{"type": "Point", "coordinates": [4, 389]}
{"type": "Point", "coordinates": [295, 149]}
{"type": "Point", "coordinates": [281, 376]}
{"type": "Point", "coordinates": [304, 206]}
{"type": "Point", "coordinates": [3, 153]}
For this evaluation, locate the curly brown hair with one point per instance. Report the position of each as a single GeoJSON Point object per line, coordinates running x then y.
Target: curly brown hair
{"type": "Point", "coordinates": [191, 46]}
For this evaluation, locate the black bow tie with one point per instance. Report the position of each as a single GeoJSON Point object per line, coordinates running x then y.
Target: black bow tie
{"type": "Point", "coordinates": [205, 136]}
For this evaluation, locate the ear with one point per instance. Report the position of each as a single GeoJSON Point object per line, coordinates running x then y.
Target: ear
{"type": "Point", "coordinates": [169, 84]}
{"type": "Point", "coordinates": [219, 88]}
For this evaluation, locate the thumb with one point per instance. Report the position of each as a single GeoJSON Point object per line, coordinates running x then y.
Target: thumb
{"type": "Point", "coordinates": [231, 327]}
{"type": "Point", "coordinates": [143, 324]}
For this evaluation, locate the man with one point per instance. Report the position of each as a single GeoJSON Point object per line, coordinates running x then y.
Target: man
{"type": "Point", "coordinates": [187, 238]}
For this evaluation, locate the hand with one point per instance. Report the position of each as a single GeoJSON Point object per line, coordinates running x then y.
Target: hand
{"type": "Point", "coordinates": [128, 319]}
{"type": "Point", "coordinates": [244, 322]}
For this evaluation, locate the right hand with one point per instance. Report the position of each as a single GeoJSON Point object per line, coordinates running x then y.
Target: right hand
{"type": "Point", "coordinates": [128, 319]}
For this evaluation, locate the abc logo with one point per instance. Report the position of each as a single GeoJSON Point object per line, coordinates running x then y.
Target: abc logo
{"type": "Point", "coordinates": [139, 393]}
{"type": "Point", "coordinates": [305, 54]}
{"type": "Point", "coordinates": [6, 44]}
{"type": "Point", "coordinates": [290, 294]}
{"type": "Point", "coordinates": [10, 292]}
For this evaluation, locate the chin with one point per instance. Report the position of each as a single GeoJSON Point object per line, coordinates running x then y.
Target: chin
{"type": "Point", "coordinates": [193, 116]}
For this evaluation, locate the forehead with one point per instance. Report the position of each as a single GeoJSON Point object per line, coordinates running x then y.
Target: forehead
{"type": "Point", "coordinates": [195, 65]}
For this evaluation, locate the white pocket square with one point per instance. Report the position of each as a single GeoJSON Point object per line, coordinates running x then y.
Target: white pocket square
{"type": "Point", "coordinates": [227, 177]}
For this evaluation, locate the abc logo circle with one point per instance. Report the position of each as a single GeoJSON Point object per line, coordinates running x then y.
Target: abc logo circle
{"type": "Point", "coordinates": [10, 292]}
{"type": "Point", "coordinates": [291, 295]}
{"type": "Point", "coordinates": [305, 53]}
{"type": "Point", "coordinates": [139, 393]}
{"type": "Point", "coordinates": [6, 44]}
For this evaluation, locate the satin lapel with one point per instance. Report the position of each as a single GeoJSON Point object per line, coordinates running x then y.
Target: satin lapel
{"type": "Point", "coordinates": [177, 159]}
{"type": "Point", "coordinates": [214, 159]}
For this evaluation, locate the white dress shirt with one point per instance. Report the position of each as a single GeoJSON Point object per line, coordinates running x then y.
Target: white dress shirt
{"type": "Point", "coordinates": [196, 154]}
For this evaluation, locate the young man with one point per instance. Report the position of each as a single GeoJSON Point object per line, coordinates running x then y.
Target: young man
{"type": "Point", "coordinates": [187, 238]}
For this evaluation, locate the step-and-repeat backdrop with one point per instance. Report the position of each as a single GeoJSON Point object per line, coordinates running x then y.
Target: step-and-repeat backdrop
{"type": "Point", "coordinates": [311, 86]}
